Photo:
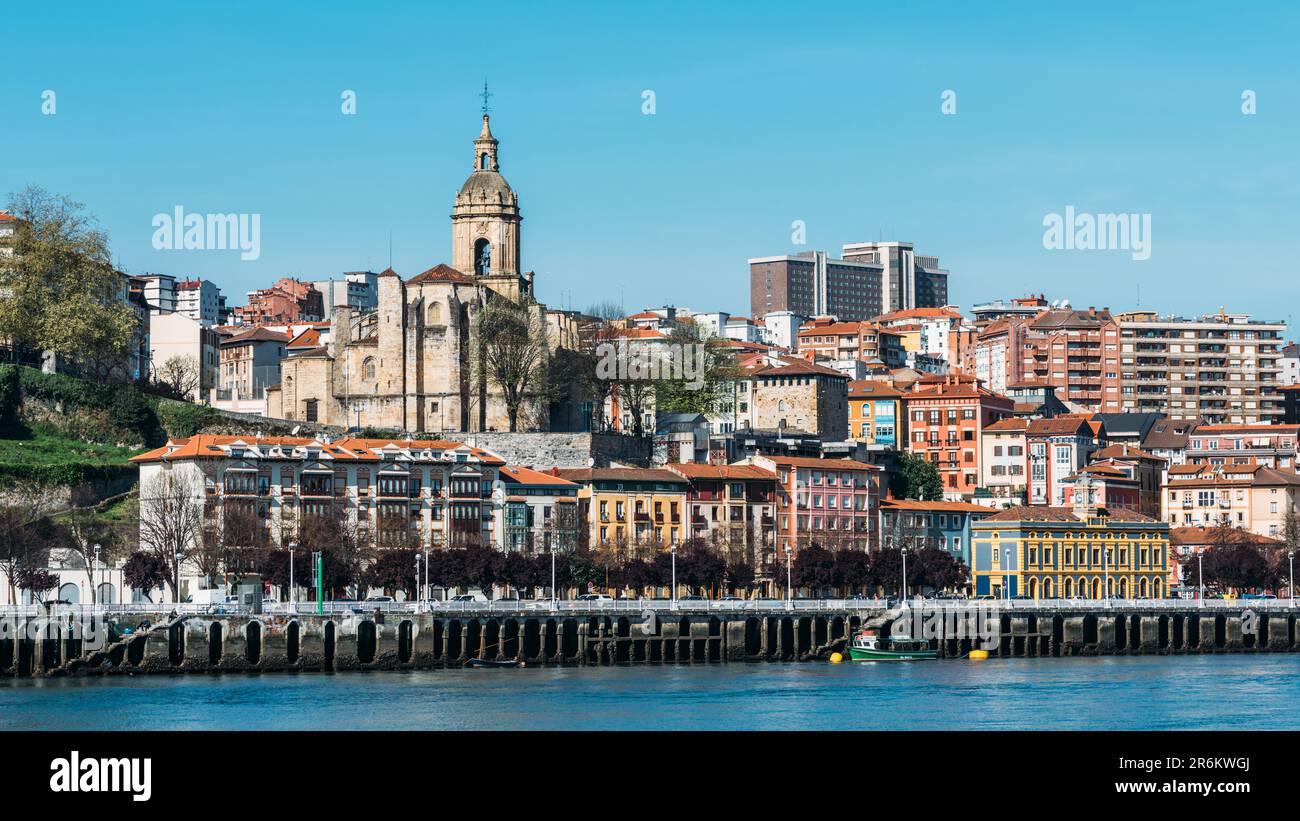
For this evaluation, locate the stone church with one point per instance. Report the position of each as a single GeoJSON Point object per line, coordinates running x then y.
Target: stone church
{"type": "Point", "coordinates": [406, 365]}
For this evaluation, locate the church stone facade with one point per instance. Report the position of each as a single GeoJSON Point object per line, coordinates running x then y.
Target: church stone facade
{"type": "Point", "coordinates": [407, 364]}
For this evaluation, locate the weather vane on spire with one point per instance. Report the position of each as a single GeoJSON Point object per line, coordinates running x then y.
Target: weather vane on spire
{"type": "Point", "coordinates": [485, 95]}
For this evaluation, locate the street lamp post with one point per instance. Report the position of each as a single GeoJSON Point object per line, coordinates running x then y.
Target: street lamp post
{"type": "Point", "coordinates": [418, 596]}
{"type": "Point", "coordinates": [293, 548]}
{"type": "Point", "coordinates": [176, 589]}
{"type": "Point", "coordinates": [1105, 569]}
{"type": "Point", "coordinates": [94, 578]}
{"type": "Point", "coordinates": [1291, 576]}
{"type": "Point", "coordinates": [789, 577]}
{"type": "Point", "coordinates": [1200, 580]}
{"type": "Point", "coordinates": [903, 550]}
{"type": "Point", "coordinates": [424, 588]}
{"type": "Point", "coordinates": [673, 550]}
{"type": "Point", "coordinates": [1006, 572]}
{"type": "Point", "coordinates": [553, 592]}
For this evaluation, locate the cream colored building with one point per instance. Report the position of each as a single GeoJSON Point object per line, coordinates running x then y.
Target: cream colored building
{"type": "Point", "coordinates": [177, 335]}
{"type": "Point", "coordinates": [1251, 497]}
{"type": "Point", "coordinates": [407, 364]}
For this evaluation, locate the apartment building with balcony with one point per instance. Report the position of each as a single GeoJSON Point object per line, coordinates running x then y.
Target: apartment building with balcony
{"type": "Point", "coordinates": [916, 525]}
{"type": "Point", "coordinates": [424, 494]}
{"type": "Point", "coordinates": [535, 511]}
{"type": "Point", "coordinates": [1057, 448]}
{"type": "Point", "coordinates": [1220, 368]}
{"type": "Point", "coordinates": [630, 508]}
{"type": "Point", "coordinates": [1251, 497]}
{"type": "Point", "coordinates": [1077, 351]}
{"type": "Point", "coordinates": [875, 414]}
{"type": "Point", "coordinates": [1270, 445]}
{"type": "Point", "coordinates": [826, 338]}
{"type": "Point", "coordinates": [832, 503]}
{"type": "Point", "coordinates": [734, 508]}
{"type": "Point", "coordinates": [945, 422]}
{"type": "Point", "coordinates": [941, 334]}
{"type": "Point", "coordinates": [1003, 481]}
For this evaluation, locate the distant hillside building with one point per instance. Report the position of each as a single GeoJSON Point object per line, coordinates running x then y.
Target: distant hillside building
{"type": "Point", "coordinates": [288, 300]}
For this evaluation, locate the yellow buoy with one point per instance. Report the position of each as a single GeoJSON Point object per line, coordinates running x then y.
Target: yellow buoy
{"type": "Point", "coordinates": [979, 655]}
{"type": "Point", "coordinates": [836, 658]}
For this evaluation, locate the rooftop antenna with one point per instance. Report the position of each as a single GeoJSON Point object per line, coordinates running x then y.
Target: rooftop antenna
{"type": "Point", "coordinates": [486, 95]}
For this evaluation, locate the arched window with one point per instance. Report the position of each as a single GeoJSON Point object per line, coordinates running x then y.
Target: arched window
{"type": "Point", "coordinates": [483, 161]}
{"type": "Point", "coordinates": [780, 404]}
{"type": "Point", "coordinates": [368, 369]}
{"type": "Point", "coordinates": [482, 257]}
{"type": "Point", "coordinates": [435, 314]}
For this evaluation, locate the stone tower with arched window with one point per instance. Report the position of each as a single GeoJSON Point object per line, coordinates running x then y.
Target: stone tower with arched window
{"type": "Point", "coordinates": [485, 222]}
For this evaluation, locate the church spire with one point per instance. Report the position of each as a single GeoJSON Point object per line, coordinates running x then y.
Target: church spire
{"type": "Point", "coordinates": [485, 147]}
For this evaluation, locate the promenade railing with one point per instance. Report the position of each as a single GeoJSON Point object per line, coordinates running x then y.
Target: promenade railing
{"type": "Point", "coordinates": [637, 606]}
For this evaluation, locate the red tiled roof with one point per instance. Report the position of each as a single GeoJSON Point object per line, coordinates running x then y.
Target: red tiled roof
{"type": "Point", "coordinates": [796, 366]}
{"type": "Point", "coordinates": [822, 464]}
{"type": "Point", "coordinates": [1044, 513]}
{"type": "Point", "coordinates": [1263, 428]}
{"type": "Point", "coordinates": [309, 338]}
{"type": "Point", "coordinates": [520, 475]}
{"type": "Point", "coordinates": [351, 449]}
{"type": "Point", "coordinates": [1211, 535]}
{"type": "Point", "coordinates": [939, 507]}
{"type": "Point", "coordinates": [1123, 451]}
{"type": "Point", "coordinates": [256, 335]}
{"type": "Point", "coordinates": [867, 389]}
{"type": "Point", "coordinates": [919, 313]}
{"type": "Point", "coordinates": [441, 273]}
{"type": "Point", "coordinates": [1012, 424]}
{"type": "Point", "coordinates": [620, 475]}
{"type": "Point", "coordinates": [1058, 426]}
{"type": "Point", "coordinates": [695, 470]}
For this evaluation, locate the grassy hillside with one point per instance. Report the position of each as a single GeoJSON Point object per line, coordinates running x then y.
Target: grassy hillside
{"type": "Point", "coordinates": [50, 459]}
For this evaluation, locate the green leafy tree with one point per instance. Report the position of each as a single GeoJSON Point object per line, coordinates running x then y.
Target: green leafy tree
{"type": "Point", "coordinates": [59, 291]}
{"type": "Point", "coordinates": [708, 359]}
{"type": "Point", "coordinates": [917, 478]}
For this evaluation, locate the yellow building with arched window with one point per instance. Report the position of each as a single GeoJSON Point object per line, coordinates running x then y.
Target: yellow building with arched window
{"type": "Point", "coordinates": [1042, 552]}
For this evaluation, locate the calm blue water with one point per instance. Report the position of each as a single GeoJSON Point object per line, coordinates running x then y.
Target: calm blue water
{"type": "Point", "coordinates": [1194, 692]}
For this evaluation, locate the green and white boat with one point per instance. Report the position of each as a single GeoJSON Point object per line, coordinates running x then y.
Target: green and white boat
{"type": "Point", "coordinates": [867, 646]}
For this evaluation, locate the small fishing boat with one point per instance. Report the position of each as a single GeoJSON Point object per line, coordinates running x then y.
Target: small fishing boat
{"type": "Point", "coordinates": [494, 663]}
{"type": "Point", "coordinates": [867, 646]}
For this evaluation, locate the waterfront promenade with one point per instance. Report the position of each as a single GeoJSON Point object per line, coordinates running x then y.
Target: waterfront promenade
{"type": "Point", "coordinates": [128, 639]}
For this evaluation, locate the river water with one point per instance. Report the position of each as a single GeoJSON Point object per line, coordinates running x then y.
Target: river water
{"type": "Point", "coordinates": [1144, 692]}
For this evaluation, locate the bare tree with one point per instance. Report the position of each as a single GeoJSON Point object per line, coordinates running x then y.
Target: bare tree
{"type": "Point", "coordinates": [80, 532]}
{"type": "Point", "coordinates": [23, 531]}
{"type": "Point", "coordinates": [512, 352]}
{"type": "Point", "coordinates": [181, 376]}
{"type": "Point", "coordinates": [171, 521]}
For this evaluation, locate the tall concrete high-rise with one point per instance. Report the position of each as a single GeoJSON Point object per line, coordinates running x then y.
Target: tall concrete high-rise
{"type": "Point", "coordinates": [908, 279]}
{"type": "Point", "coordinates": [815, 284]}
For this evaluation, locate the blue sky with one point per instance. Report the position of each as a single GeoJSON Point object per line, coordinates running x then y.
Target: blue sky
{"type": "Point", "coordinates": [763, 116]}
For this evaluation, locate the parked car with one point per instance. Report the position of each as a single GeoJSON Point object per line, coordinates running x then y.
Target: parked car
{"type": "Point", "coordinates": [379, 599]}
{"type": "Point", "coordinates": [691, 598]}
{"type": "Point", "coordinates": [472, 596]}
{"type": "Point", "coordinates": [595, 597]}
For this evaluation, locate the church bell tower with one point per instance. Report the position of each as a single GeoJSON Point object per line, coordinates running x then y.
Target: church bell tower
{"type": "Point", "coordinates": [485, 219]}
